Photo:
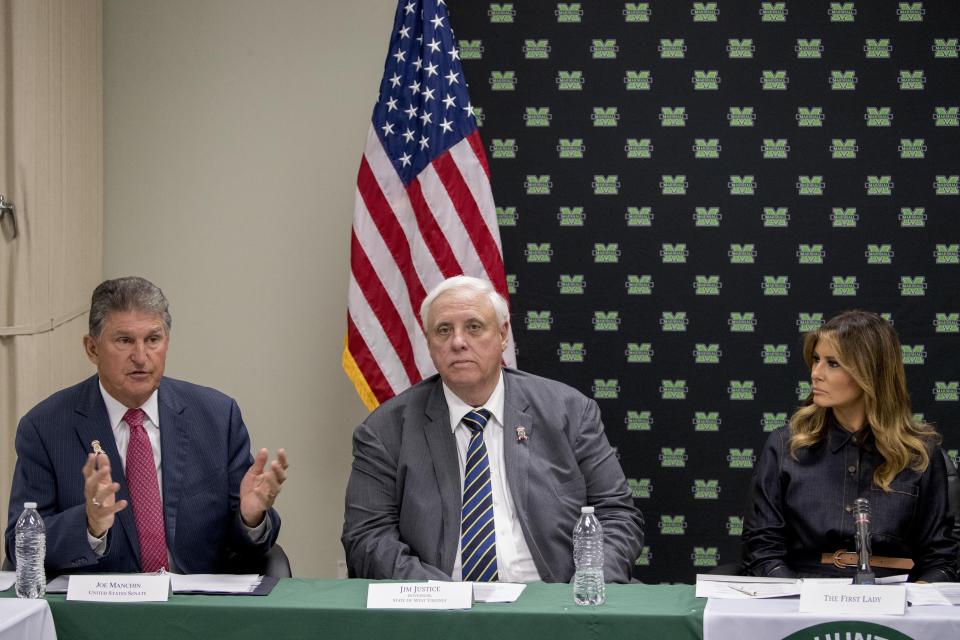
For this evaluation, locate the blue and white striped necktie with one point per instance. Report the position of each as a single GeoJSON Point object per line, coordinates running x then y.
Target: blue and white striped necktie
{"type": "Point", "coordinates": [478, 539]}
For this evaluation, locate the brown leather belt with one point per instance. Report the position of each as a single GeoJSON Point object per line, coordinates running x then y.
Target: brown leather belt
{"type": "Point", "coordinates": [846, 559]}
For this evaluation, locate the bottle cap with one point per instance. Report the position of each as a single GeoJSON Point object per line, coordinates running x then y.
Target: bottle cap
{"type": "Point", "coordinates": [29, 505]}
{"type": "Point", "coordinates": [586, 509]}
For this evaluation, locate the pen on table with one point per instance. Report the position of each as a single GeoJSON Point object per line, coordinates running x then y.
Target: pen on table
{"type": "Point", "coordinates": [752, 594]}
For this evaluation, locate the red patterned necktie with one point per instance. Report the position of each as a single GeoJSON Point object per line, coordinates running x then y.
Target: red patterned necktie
{"type": "Point", "coordinates": [141, 474]}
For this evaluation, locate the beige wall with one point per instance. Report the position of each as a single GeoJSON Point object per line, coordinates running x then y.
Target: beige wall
{"type": "Point", "coordinates": [232, 135]}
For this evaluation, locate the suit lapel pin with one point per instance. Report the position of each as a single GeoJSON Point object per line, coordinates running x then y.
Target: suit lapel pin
{"type": "Point", "coordinates": [96, 447]}
{"type": "Point", "coordinates": [521, 434]}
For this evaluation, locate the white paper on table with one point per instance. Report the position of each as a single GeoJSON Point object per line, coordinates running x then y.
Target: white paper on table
{"type": "Point", "coordinates": [897, 579]}
{"type": "Point", "coordinates": [919, 595]}
{"type": "Point", "coordinates": [7, 579]}
{"type": "Point", "coordinates": [711, 577]}
{"type": "Point", "coordinates": [497, 591]}
{"type": "Point", "coordinates": [214, 582]}
{"type": "Point", "coordinates": [728, 590]}
{"type": "Point", "coordinates": [950, 590]}
{"type": "Point", "coordinates": [827, 580]}
{"type": "Point", "coordinates": [59, 584]}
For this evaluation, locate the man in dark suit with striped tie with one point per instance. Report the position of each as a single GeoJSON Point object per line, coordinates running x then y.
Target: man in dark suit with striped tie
{"type": "Point", "coordinates": [177, 454]}
{"type": "Point", "coordinates": [479, 472]}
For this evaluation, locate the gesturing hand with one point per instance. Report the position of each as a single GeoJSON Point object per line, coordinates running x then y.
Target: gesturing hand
{"type": "Point", "coordinates": [261, 486]}
{"type": "Point", "coordinates": [100, 493]}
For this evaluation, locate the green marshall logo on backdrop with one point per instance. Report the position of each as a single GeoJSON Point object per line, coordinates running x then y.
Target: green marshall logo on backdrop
{"type": "Point", "coordinates": [773, 11]}
{"type": "Point", "coordinates": [639, 353]}
{"type": "Point", "coordinates": [512, 283]}
{"type": "Point", "coordinates": [811, 254]}
{"type": "Point", "coordinates": [706, 80]}
{"type": "Point", "coordinates": [706, 421]}
{"type": "Point", "coordinates": [910, 11]}
{"type": "Point", "coordinates": [503, 80]}
{"type": "Point", "coordinates": [879, 185]}
{"type": "Point", "coordinates": [843, 80]}
{"type": "Point", "coordinates": [742, 185]}
{"type": "Point", "coordinates": [803, 390]}
{"type": "Point", "coordinates": [605, 116]}
{"type": "Point", "coordinates": [672, 48]}
{"type": "Point", "coordinates": [638, 80]}
{"type": "Point", "coordinates": [673, 389]}
{"type": "Point", "coordinates": [741, 116]}
{"type": "Point", "coordinates": [538, 252]}
{"type": "Point", "coordinates": [844, 285]}
{"type": "Point", "coordinates": [640, 487]}
{"type": "Point", "coordinates": [507, 216]}
{"type": "Point", "coordinates": [772, 422]}
{"type": "Point", "coordinates": [538, 185]}
{"type": "Point", "coordinates": [808, 48]}
{"type": "Point", "coordinates": [775, 149]}
{"type": "Point", "coordinates": [841, 149]}
{"type": "Point", "coordinates": [946, 48]}
{"type": "Point", "coordinates": [914, 354]}
{"type": "Point", "coordinates": [639, 217]}
{"type": "Point", "coordinates": [775, 285]}
{"type": "Point", "coordinates": [946, 391]}
{"type": "Point", "coordinates": [570, 80]}
{"type": "Point", "coordinates": [947, 185]}
{"type": "Point", "coordinates": [673, 457]}
{"type": "Point", "coordinates": [571, 148]}
{"type": "Point", "coordinates": [879, 117]}
{"type": "Point", "coordinates": [775, 354]}
{"type": "Point", "coordinates": [606, 320]}
{"type": "Point", "coordinates": [705, 12]}
{"type": "Point", "coordinates": [571, 216]}
{"type": "Point", "coordinates": [605, 185]}
{"type": "Point", "coordinates": [742, 322]}
{"type": "Point", "coordinates": [568, 12]}
{"type": "Point", "coordinates": [807, 322]}
{"type": "Point", "coordinates": [879, 48]}
{"type": "Point", "coordinates": [734, 526]}
{"type": "Point", "coordinates": [605, 389]}
{"type": "Point", "coordinates": [643, 560]}
{"type": "Point", "coordinates": [673, 116]}
{"type": "Point", "coordinates": [842, 12]}
{"type": "Point", "coordinates": [809, 116]}
{"type": "Point", "coordinates": [534, 49]}
{"type": "Point", "coordinates": [742, 253]}
{"type": "Point", "coordinates": [572, 352]}
{"type": "Point", "coordinates": [636, 12]}
{"type": "Point", "coordinates": [503, 149]}
{"type": "Point", "coordinates": [913, 285]}
{"type": "Point", "coordinates": [471, 50]}
{"type": "Point", "coordinates": [947, 254]}
{"type": "Point", "coordinates": [707, 353]}
{"type": "Point", "coordinates": [706, 149]}
{"type": "Point", "coordinates": [639, 285]}
{"type": "Point", "coordinates": [911, 80]}
{"type": "Point", "coordinates": [641, 148]}
{"type": "Point", "coordinates": [571, 284]}
{"type": "Point", "coordinates": [604, 49]}
{"type": "Point", "coordinates": [537, 117]}
{"type": "Point", "coordinates": [500, 13]}
{"type": "Point", "coordinates": [478, 113]}
{"type": "Point", "coordinates": [912, 217]}
{"type": "Point", "coordinates": [741, 458]}
{"type": "Point", "coordinates": [947, 323]}
{"type": "Point", "coordinates": [639, 421]}
{"type": "Point", "coordinates": [775, 217]}
{"type": "Point", "coordinates": [954, 455]}
{"type": "Point", "coordinates": [705, 489]}
{"type": "Point", "coordinates": [707, 217]}
{"type": "Point", "coordinates": [673, 185]}
{"type": "Point", "coordinates": [810, 185]}
{"type": "Point", "coordinates": [879, 254]}
{"type": "Point", "coordinates": [740, 48]}
{"type": "Point", "coordinates": [844, 217]}
{"type": "Point", "coordinates": [707, 285]}
{"type": "Point", "coordinates": [774, 80]}
{"type": "Point", "coordinates": [673, 253]}
{"type": "Point", "coordinates": [742, 390]}
{"type": "Point", "coordinates": [539, 320]}
{"type": "Point", "coordinates": [672, 525]}
{"type": "Point", "coordinates": [705, 556]}
{"type": "Point", "coordinates": [946, 116]}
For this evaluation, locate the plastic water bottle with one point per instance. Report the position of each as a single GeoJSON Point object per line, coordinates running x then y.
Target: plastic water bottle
{"type": "Point", "coordinates": [31, 548]}
{"type": "Point", "coordinates": [588, 586]}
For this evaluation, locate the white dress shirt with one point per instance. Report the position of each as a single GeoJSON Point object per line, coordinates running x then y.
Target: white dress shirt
{"type": "Point", "coordinates": [514, 562]}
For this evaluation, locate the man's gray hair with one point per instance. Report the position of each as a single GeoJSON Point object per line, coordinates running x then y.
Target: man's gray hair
{"type": "Point", "coordinates": [473, 284]}
{"type": "Point", "coordinates": [131, 293]}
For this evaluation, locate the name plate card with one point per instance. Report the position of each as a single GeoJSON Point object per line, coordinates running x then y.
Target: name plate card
{"type": "Point", "coordinates": [135, 587]}
{"type": "Point", "coordinates": [420, 595]}
{"type": "Point", "coordinates": [853, 599]}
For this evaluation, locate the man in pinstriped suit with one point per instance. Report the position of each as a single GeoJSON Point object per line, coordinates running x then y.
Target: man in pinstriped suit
{"type": "Point", "coordinates": [213, 500]}
{"type": "Point", "coordinates": [547, 457]}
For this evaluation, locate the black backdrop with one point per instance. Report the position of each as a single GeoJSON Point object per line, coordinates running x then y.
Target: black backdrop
{"type": "Point", "coordinates": [674, 286]}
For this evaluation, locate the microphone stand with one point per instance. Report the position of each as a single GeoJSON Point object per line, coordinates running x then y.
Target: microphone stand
{"type": "Point", "coordinates": [861, 519]}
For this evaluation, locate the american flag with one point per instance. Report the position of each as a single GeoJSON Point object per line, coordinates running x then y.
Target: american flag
{"type": "Point", "coordinates": [423, 210]}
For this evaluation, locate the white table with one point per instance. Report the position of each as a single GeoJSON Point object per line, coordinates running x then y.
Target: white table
{"type": "Point", "coordinates": [779, 618]}
{"type": "Point", "coordinates": [26, 620]}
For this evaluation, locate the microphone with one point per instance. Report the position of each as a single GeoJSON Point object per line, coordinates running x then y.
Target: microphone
{"type": "Point", "coordinates": [861, 520]}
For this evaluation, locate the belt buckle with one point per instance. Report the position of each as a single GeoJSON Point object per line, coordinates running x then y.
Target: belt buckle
{"type": "Point", "coordinates": [838, 561]}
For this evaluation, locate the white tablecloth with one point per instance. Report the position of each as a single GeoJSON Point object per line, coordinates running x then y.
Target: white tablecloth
{"type": "Point", "coordinates": [26, 620]}
{"type": "Point", "coordinates": [779, 618]}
